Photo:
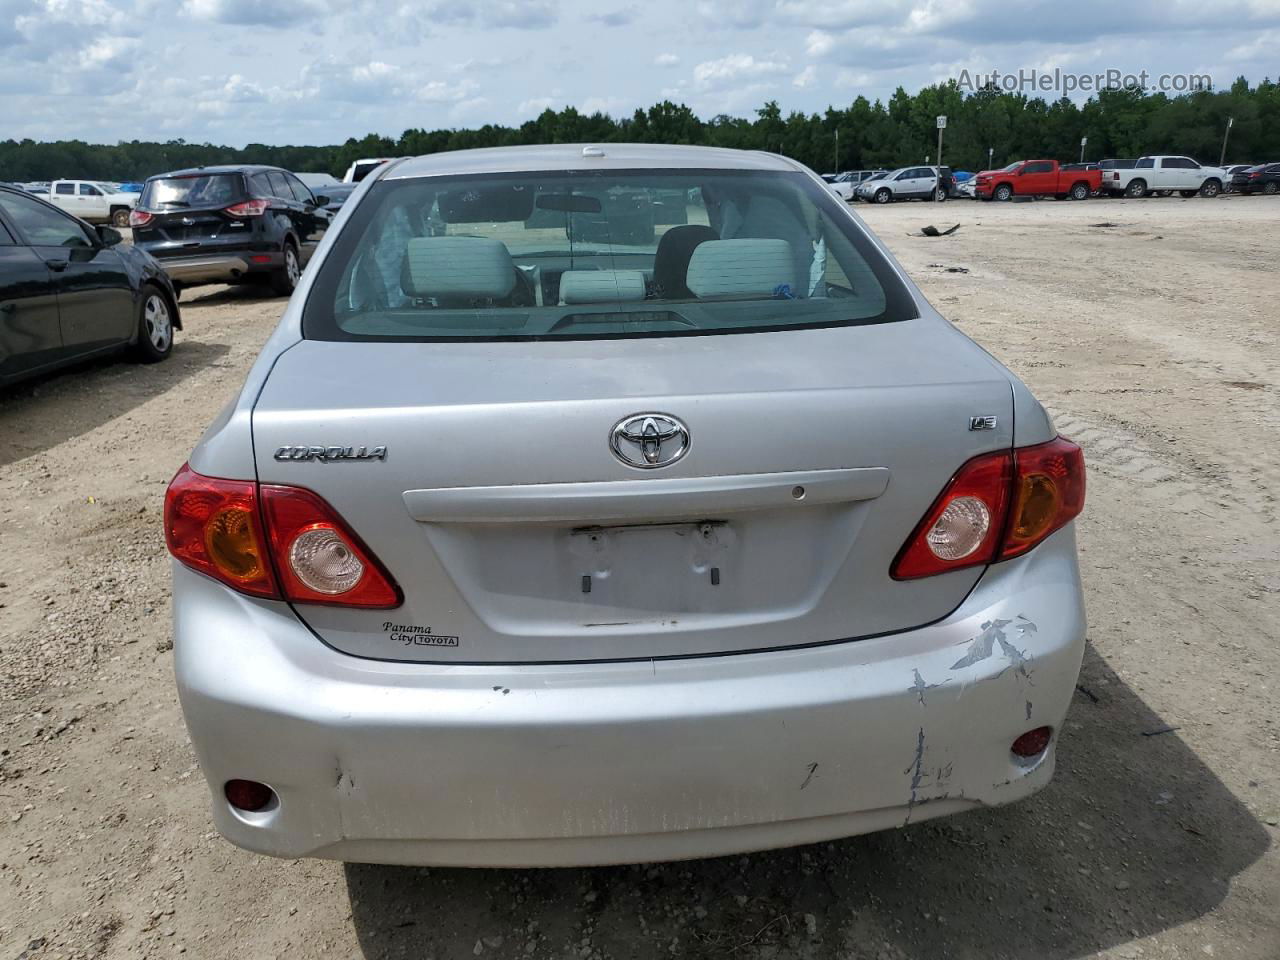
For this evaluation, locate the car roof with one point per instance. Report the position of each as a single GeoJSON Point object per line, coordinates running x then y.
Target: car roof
{"type": "Point", "coordinates": [575, 156]}
{"type": "Point", "coordinates": [219, 168]}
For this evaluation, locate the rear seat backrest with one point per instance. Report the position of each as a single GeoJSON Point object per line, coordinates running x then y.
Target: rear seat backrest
{"type": "Point", "coordinates": [742, 269]}
{"type": "Point", "coordinates": [457, 268]}
{"type": "Point", "coordinates": [601, 286]}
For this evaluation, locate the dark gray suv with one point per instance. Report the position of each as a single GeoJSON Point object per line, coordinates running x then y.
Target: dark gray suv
{"type": "Point", "coordinates": [230, 224]}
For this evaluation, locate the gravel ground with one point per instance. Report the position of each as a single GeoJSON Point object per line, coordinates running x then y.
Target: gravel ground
{"type": "Point", "coordinates": [1154, 339]}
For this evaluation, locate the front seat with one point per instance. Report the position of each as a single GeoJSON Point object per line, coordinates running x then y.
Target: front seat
{"type": "Point", "coordinates": [671, 260]}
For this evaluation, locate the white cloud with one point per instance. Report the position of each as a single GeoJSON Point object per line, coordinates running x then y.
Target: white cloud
{"type": "Point", "coordinates": [535, 105]}
{"type": "Point", "coordinates": [806, 77]}
{"type": "Point", "coordinates": [666, 60]}
{"type": "Point", "coordinates": [252, 12]}
{"type": "Point", "coordinates": [818, 43]}
{"type": "Point", "coordinates": [106, 51]}
{"type": "Point", "coordinates": [733, 68]}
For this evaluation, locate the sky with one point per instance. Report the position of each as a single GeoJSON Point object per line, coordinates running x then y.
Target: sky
{"type": "Point", "coordinates": [320, 71]}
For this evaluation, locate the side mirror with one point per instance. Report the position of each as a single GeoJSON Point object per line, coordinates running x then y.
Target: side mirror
{"type": "Point", "coordinates": [320, 201]}
{"type": "Point", "coordinates": [109, 235]}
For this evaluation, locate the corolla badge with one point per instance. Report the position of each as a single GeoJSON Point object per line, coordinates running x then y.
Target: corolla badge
{"type": "Point", "coordinates": [649, 440]}
{"type": "Point", "coordinates": [330, 454]}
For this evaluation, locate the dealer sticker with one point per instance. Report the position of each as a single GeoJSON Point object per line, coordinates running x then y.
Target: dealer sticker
{"type": "Point", "coordinates": [415, 636]}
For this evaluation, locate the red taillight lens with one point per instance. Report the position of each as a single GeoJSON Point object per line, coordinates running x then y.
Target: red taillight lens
{"type": "Point", "coordinates": [997, 506]}
{"type": "Point", "coordinates": [319, 559]}
{"type": "Point", "coordinates": [140, 218]}
{"type": "Point", "coordinates": [213, 526]}
{"type": "Point", "coordinates": [962, 528]}
{"type": "Point", "coordinates": [1048, 494]}
{"type": "Point", "coordinates": [272, 541]}
{"type": "Point", "coordinates": [249, 208]}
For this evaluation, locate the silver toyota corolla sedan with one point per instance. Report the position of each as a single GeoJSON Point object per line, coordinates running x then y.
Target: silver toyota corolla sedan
{"type": "Point", "coordinates": [613, 504]}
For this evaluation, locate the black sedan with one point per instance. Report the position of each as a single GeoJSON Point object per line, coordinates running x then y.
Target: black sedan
{"type": "Point", "coordinates": [1264, 178]}
{"type": "Point", "coordinates": [69, 291]}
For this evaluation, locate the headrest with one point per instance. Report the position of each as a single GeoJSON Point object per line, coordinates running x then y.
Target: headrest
{"type": "Point", "coordinates": [747, 268]}
{"type": "Point", "coordinates": [601, 286]}
{"type": "Point", "coordinates": [457, 268]}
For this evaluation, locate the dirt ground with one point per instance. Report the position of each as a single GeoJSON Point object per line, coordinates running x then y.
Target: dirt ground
{"type": "Point", "coordinates": [1154, 338]}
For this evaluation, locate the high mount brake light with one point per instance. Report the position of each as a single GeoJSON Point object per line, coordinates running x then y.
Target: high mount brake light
{"type": "Point", "coordinates": [248, 208]}
{"type": "Point", "coordinates": [272, 541]}
{"type": "Point", "coordinates": [997, 506]}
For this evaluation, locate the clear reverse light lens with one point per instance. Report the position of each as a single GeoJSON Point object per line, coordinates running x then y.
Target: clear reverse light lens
{"type": "Point", "coordinates": [960, 530]}
{"type": "Point", "coordinates": [321, 559]}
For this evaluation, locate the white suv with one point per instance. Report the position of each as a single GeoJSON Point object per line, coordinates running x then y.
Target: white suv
{"type": "Point", "coordinates": [1156, 174]}
{"type": "Point", "coordinates": [910, 183]}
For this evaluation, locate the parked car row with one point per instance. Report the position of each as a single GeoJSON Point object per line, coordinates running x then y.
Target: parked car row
{"type": "Point", "coordinates": [1135, 177]}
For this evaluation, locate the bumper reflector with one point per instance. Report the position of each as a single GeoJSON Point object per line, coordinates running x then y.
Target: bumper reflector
{"type": "Point", "coordinates": [1032, 743]}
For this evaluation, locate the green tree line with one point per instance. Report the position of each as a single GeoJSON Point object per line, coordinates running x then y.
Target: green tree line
{"type": "Point", "coordinates": [864, 134]}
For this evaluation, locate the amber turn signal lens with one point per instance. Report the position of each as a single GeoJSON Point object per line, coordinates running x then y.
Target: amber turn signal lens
{"type": "Point", "coordinates": [232, 546]}
{"type": "Point", "coordinates": [1035, 507]}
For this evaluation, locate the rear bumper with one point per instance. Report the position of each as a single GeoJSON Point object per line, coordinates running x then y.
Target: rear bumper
{"type": "Point", "coordinates": [623, 762]}
{"type": "Point", "coordinates": [220, 268]}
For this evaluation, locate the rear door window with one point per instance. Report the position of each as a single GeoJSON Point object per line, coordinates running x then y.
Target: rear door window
{"type": "Point", "coordinates": [582, 255]}
{"type": "Point", "coordinates": [279, 186]}
{"type": "Point", "coordinates": [299, 189]}
{"type": "Point", "coordinates": [260, 186]}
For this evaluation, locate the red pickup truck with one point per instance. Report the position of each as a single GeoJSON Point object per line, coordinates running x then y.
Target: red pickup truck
{"type": "Point", "coordinates": [1036, 178]}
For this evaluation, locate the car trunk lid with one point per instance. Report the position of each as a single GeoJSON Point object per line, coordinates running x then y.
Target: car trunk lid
{"type": "Point", "coordinates": [482, 476]}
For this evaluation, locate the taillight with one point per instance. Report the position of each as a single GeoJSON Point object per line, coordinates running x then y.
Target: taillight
{"type": "Point", "coordinates": [249, 208]}
{"type": "Point", "coordinates": [272, 541]}
{"type": "Point", "coordinates": [319, 559]}
{"type": "Point", "coordinates": [962, 528]}
{"type": "Point", "coordinates": [1048, 493]}
{"type": "Point", "coordinates": [140, 218]}
{"type": "Point", "coordinates": [997, 506]}
{"type": "Point", "coordinates": [213, 526]}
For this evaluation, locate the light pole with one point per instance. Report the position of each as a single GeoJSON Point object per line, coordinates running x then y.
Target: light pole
{"type": "Point", "coordinates": [1231, 121]}
{"type": "Point", "coordinates": [1083, 141]}
{"type": "Point", "coordinates": [937, 190]}
{"type": "Point", "coordinates": [991, 152]}
{"type": "Point", "coordinates": [836, 167]}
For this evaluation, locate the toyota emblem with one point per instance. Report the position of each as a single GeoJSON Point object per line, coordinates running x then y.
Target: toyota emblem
{"type": "Point", "coordinates": [649, 440]}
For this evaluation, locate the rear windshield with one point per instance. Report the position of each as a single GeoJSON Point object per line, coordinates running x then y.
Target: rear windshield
{"type": "Point", "coordinates": [203, 190]}
{"type": "Point", "coordinates": [582, 255]}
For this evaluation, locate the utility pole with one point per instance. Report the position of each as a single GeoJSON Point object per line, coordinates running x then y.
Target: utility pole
{"type": "Point", "coordinates": [1083, 141]}
{"type": "Point", "coordinates": [1230, 123]}
{"type": "Point", "coordinates": [836, 167]}
{"type": "Point", "coordinates": [937, 194]}
{"type": "Point", "coordinates": [991, 152]}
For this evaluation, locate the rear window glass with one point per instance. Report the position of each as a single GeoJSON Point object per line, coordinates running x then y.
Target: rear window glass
{"type": "Point", "coordinates": [205, 190]}
{"type": "Point", "coordinates": [582, 255]}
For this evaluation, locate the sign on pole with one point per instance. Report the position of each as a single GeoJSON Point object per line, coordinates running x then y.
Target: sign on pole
{"type": "Point", "coordinates": [942, 122]}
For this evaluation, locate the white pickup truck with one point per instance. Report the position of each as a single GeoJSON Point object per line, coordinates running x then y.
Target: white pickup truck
{"type": "Point", "coordinates": [1160, 174]}
{"type": "Point", "coordinates": [92, 200]}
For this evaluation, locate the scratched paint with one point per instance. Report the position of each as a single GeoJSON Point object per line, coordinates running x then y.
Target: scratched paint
{"type": "Point", "coordinates": [996, 632]}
